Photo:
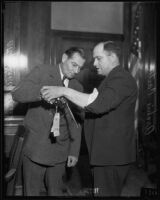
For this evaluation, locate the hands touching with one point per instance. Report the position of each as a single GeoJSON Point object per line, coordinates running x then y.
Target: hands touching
{"type": "Point", "coordinates": [50, 93]}
{"type": "Point", "coordinates": [72, 160]}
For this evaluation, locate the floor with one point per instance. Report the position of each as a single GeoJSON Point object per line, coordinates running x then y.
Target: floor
{"type": "Point", "coordinates": [79, 181]}
{"type": "Point", "coordinates": [137, 179]}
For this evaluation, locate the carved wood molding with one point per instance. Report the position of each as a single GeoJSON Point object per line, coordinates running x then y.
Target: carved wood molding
{"type": "Point", "coordinates": [11, 121]}
{"type": "Point", "coordinates": [87, 35]}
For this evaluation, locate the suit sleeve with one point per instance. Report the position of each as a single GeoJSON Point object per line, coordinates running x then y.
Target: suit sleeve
{"type": "Point", "coordinates": [75, 132]}
{"type": "Point", "coordinates": [28, 90]}
{"type": "Point", "coordinates": [115, 91]}
{"type": "Point", "coordinates": [75, 139]}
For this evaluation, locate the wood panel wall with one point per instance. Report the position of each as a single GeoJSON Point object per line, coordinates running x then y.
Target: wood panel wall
{"type": "Point", "coordinates": [145, 22]}
{"type": "Point", "coordinates": [27, 33]}
{"type": "Point", "coordinates": [148, 90]}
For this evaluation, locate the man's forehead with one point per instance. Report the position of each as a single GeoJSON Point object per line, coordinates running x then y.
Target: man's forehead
{"type": "Point", "coordinates": [77, 58]}
{"type": "Point", "coordinates": [98, 49]}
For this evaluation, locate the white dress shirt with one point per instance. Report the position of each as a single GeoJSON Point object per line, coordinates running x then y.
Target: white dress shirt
{"type": "Point", "coordinates": [66, 81]}
{"type": "Point", "coordinates": [91, 97]}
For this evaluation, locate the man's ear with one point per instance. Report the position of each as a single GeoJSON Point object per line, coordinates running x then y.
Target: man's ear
{"type": "Point", "coordinates": [64, 57]}
{"type": "Point", "coordinates": [113, 56]}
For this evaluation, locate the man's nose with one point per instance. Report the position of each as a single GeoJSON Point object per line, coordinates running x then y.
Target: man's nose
{"type": "Point", "coordinates": [77, 69]}
{"type": "Point", "coordinates": [95, 62]}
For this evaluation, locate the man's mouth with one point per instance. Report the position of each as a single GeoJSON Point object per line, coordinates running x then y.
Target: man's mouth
{"type": "Point", "coordinates": [71, 75]}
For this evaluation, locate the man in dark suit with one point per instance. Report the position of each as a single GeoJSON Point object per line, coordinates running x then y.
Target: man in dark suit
{"type": "Point", "coordinates": [53, 136]}
{"type": "Point", "coordinates": [109, 127]}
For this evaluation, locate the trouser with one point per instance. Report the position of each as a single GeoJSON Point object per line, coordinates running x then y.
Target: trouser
{"type": "Point", "coordinates": [34, 175]}
{"type": "Point", "coordinates": [109, 180]}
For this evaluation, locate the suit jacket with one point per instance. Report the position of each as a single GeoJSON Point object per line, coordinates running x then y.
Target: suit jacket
{"type": "Point", "coordinates": [39, 145]}
{"type": "Point", "coordinates": [109, 130]}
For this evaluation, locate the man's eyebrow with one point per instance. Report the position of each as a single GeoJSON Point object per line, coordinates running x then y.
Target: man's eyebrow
{"type": "Point", "coordinates": [98, 57]}
{"type": "Point", "coordinates": [73, 62]}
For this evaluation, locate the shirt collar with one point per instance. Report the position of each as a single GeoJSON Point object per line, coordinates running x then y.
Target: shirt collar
{"type": "Point", "coordinates": [61, 74]}
{"type": "Point", "coordinates": [66, 81]}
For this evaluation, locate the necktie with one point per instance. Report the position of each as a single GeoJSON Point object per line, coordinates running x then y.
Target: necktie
{"type": "Point", "coordinates": [63, 80]}
{"type": "Point", "coordinates": [55, 125]}
{"type": "Point", "coordinates": [56, 120]}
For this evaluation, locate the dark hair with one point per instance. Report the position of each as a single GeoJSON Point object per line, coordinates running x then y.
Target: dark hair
{"type": "Point", "coordinates": [111, 46]}
{"type": "Point", "coordinates": [74, 50]}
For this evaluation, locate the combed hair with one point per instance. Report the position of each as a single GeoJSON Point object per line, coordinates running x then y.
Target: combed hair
{"type": "Point", "coordinates": [74, 50]}
{"type": "Point", "coordinates": [111, 46]}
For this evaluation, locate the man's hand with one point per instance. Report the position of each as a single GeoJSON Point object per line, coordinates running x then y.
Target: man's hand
{"type": "Point", "coordinates": [72, 160]}
{"type": "Point", "coordinates": [49, 93]}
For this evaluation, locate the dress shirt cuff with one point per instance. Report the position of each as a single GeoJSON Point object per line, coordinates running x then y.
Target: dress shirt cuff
{"type": "Point", "coordinates": [92, 96]}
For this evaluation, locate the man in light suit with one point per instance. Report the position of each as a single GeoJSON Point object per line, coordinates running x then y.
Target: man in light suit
{"type": "Point", "coordinates": [45, 154]}
{"type": "Point", "coordinates": [109, 129]}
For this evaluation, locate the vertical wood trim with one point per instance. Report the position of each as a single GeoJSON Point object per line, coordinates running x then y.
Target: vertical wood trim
{"type": "Point", "coordinates": [126, 32]}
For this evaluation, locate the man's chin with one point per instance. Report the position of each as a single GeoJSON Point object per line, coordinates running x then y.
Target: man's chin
{"type": "Point", "coordinates": [70, 77]}
{"type": "Point", "coordinates": [99, 72]}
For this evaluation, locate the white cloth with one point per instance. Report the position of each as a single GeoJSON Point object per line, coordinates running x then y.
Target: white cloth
{"type": "Point", "coordinates": [66, 82]}
{"type": "Point", "coordinates": [92, 96]}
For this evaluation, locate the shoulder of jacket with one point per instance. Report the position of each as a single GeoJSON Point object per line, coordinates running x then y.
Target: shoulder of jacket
{"type": "Point", "coordinates": [45, 67]}
{"type": "Point", "coordinates": [76, 84]}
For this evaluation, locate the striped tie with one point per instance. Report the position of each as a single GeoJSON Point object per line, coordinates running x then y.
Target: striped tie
{"type": "Point", "coordinates": [64, 78]}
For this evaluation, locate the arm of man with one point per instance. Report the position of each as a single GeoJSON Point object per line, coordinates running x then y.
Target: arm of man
{"type": "Point", "coordinates": [79, 98]}
{"type": "Point", "coordinates": [115, 91]}
{"type": "Point", "coordinates": [75, 143]}
{"type": "Point", "coordinates": [28, 90]}
{"type": "Point", "coordinates": [118, 89]}
{"type": "Point", "coordinates": [75, 128]}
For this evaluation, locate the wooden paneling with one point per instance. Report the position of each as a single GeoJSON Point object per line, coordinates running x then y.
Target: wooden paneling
{"type": "Point", "coordinates": [149, 79]}
{"type": "Point", "coordinates": [147, 74]}
{"type": "Point", "coordinates": [11, 43]}
{"type": "Point", "coordinates": [144, 17]}
{"type": "Point", "coordinates": [26, 44]}
{"type": "Point", "coordinates": [11, 128]}
{"type": "Point", "coordinates": [35, 34]}
{"type": "Point", "coordinates": [127, 33]}
{"type": "Point", "coordinates": [62, 40]}
{"type": "Point", "coordinates": [10, 132]}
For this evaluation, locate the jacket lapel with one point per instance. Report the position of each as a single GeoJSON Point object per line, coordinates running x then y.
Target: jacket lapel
{"type": "Point", "coordinates": [110, 75]}
{"type": "Point", "coordinates": [55, 75]}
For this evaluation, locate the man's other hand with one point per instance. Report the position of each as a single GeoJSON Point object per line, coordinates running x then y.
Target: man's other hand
{"type": "Point", "coordinates": [49, 93]}
{"type": "Point", "coordinates": [72, 160]}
